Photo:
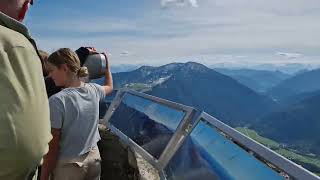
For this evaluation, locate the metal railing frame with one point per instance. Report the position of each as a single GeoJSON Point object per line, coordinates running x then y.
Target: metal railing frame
{"type": "Point", "coordinates": [185, 127]}
{"type": "Point", "coordinates": [174, 142]}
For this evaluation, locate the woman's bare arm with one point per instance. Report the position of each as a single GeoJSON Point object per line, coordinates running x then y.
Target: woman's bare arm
{"type": "Point", "coordinates": [50, 159]}
{"type": "Point", "coordinates": [108, 82]}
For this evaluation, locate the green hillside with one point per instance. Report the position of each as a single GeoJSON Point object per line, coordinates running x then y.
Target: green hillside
{"type": "Point", "coordinates": [310, 161]}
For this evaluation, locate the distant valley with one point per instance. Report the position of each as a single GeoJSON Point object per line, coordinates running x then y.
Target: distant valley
{"type": "Point", "coordinates": [304, 82]}
{"type": "Point", "coordinates": [258, 80]}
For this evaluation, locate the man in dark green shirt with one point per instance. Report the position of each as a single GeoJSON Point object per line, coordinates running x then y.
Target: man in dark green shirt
{"type": "Point", "coordinates": [24, 113]}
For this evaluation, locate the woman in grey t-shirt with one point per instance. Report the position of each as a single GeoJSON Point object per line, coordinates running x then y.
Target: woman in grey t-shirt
{"type": "Point", "coordinates": [74, 115]}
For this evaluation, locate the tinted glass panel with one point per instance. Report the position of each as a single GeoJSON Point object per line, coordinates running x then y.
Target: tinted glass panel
{"type": "Point", "coordinates": [147, 123]}
{"type": "Point", "coordinates": [207, 154]}
{"type": "Point", "coordinates": [104, 105]}
{"type": "Point", "coordinates": [109, 98]}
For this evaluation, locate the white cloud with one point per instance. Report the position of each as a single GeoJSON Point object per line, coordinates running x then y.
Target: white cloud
{"type": "Point", "coordinates": [167, 3]}
{"type": "Point", "coordinates": [89, 25]}
{"type": "Point", "coordinates": [289, 55]}
{"type": "Point", "coordinates": [194, 3]}
{"type": "Point", "coordinates": [125, 53]}
{"type": "Point", "coordinates": [240, 28]}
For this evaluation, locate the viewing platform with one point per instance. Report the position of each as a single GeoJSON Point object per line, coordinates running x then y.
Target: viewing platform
{"type": "Point", "coordinates": [146, 137]}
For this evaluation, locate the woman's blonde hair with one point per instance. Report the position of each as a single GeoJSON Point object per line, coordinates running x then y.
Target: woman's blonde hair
{"type": "Point", "coordinates": [70, 58]}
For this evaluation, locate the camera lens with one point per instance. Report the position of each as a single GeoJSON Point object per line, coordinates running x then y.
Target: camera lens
{"type": "Point", "coordinates": [96, 64]}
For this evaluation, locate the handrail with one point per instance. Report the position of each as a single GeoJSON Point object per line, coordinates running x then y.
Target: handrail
{"type": "Point", "coordinates": [289, 167]}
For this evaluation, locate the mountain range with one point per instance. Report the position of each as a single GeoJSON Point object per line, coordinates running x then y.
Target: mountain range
{"type": "Point", "coordinates": [258, 80]}
{"type": "Point", "coordinates": [292, 120]}
{"type": "Point", "coordinates": [305, 82]}
{"type": "Point", "coordinates": [288, 68]}
{"type": "Point", "coordinates": [196, 85]}
{"type": "Point", "coordinates": [297, 126]}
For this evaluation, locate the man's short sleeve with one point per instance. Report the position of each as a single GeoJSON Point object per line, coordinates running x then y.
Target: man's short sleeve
{"type": "Point", "coordinates": [56, 112]}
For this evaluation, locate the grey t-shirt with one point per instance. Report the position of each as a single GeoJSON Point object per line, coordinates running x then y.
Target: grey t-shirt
{"type": "Point", "coordinates": [76, 112]}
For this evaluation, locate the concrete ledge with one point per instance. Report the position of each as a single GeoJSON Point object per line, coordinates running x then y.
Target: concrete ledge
{"type": "Point", "coordinates": [146, 170]}
{"type": "Point", "coordinates": [120, 162]}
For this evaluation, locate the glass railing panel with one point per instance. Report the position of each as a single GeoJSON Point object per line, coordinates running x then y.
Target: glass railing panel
{"type": "Point", "coordinates": [148, 123]}
{"type": "Point", "coordinates": [207, 154]}
{"type": "Point", "coordinates": [104, 105]}
{"type": "Point", "coordinates": [109, 98]}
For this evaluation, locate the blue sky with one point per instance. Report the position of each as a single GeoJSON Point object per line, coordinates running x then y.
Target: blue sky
{"type": "Point", "coordinates": [161, 31]}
